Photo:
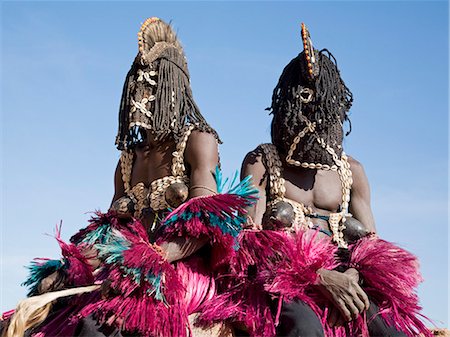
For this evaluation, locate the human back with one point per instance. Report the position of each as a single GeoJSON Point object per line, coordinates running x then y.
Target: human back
{"type": "Point", "coordinates": [170, 224]}
{"type": "Point", "coordinates": [152, 161]}
{"type": "Point", "coordinates": [158, 123]}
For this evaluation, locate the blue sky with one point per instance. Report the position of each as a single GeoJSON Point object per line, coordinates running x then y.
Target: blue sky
{"type": "Point", "coordinates": [63, 66]}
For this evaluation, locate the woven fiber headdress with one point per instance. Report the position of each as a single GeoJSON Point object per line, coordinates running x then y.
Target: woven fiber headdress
{"type": "Point", "coordinates": [157, 95]}
{"type": "Point", "coordinates": [310, 96]}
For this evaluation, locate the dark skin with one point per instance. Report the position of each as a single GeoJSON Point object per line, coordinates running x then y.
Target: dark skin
{"type": "Point", "coordinates": [321, 190]}
{"type": "Point", "coordinates": [154, 160]}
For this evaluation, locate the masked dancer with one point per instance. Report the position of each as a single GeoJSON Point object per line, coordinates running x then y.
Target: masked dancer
{"type": "Point", "coordinates": [312, 263]}
{"type": "Point", "coordinates": [147, 266]}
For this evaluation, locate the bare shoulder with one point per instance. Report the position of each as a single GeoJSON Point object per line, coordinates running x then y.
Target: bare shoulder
{"type": "Point", "coordinates": [356, 167]}
{"type": "Point", "coordinates": [253, 165]}
{"type": "Point", "coordinates": [253, 158]}
{"type": "Point", "coordinates": [360, 196]}
{"type": "Point", "coordinates": [198, 138]}
{"type": "Point", "coordinates": [201, 146]}
{"type": "Point", "coordinates": [358, 173]}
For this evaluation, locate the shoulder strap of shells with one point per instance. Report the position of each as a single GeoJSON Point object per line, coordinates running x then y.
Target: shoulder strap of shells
{"type": "Point", "coordinates": [126, 165]}
{"type": "Point", "coordinates": [178, 167]}
{"type": "Point", "coordinates": [274, 170]}
{"type": "Point", "coordinates": [277, 186]}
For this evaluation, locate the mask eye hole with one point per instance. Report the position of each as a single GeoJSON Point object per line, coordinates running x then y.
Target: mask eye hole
{"type": "Point", "coordinates": [306, 95]}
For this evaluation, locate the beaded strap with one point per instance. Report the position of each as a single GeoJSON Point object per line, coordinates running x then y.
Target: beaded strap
{"type": "Point", "coordinates": [277, 188]}
{"type": "Point", "coordinates": [140, 193]}
{"type": "Point", "coordinates": [277, 184]}
{"type": "Point", "coordinates": [126, 165]}
{"type": "Point", "coordinates": [158, 187]}
{"type": "Point", "coordinates": [154, 196]}
{"type": "Point", "coordinates": [178, 167]}
{"type": "Point", "coordinates": [274, 169]}
{"type": "Point", "coordinates": [342, 167]}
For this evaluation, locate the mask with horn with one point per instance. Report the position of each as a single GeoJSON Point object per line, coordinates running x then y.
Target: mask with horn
{"type": "Point", "coordinates": [309, 105]}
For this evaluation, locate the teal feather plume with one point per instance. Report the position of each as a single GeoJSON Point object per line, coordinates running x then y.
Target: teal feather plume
{"type": "Point", "coordinates": [38, 270]}
{"type": "Point", "coordinates": [112, 253]}
{"type": "Point", "coordinates": [242, 188]}
{"type": "Point", "coordinates": [101, 235]}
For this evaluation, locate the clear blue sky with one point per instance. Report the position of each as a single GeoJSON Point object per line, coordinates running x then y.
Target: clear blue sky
{"type": "Point", "coordinates": [63, 66]}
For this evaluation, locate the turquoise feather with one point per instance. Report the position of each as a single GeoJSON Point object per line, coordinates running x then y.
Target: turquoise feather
{"type": "Point", "coordinates": [112, 254]}
{"type": "Point", "coordinates": [38, 271]}
{"type": "Point", "coordinates": [242, 188]}
{"type": "Point", "coordinates": [101, 235]}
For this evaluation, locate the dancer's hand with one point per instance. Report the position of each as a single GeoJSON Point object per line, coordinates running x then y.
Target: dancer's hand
{"type": "Point", "coordinates": [181, 248]}
{"type": "Point", "coordinates": [344, 291]}
{"type": "Point", "coordinates": [335, 317]}
{"type": "Point", "coordinates": [353, 273]}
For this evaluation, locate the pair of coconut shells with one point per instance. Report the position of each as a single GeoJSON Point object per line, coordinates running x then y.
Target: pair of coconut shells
{"type": "Point", "coordinates": [175, 195]}
{"type": "Point", "coordinates": [282, 216]}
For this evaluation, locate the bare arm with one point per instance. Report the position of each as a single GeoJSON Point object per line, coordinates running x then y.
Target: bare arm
{"type": "Point", "coordinates": [252, 165]}
{"type": "Point", "coordinates": [119, 188]}
{"type": "Point", "coordinates": [202, 157]}
{"type": "Point", "coordinates": [360, 196]}
{"type": "Point", "coordinates": [124, 207]}
{"type": "Point", "coordinates": [343, 288]}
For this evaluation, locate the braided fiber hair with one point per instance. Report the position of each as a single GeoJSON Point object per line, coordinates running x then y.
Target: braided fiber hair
{"type": "Point", "coordinates": [157, 95]}
{"type": "Point", "coordinates": [328, 108]}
